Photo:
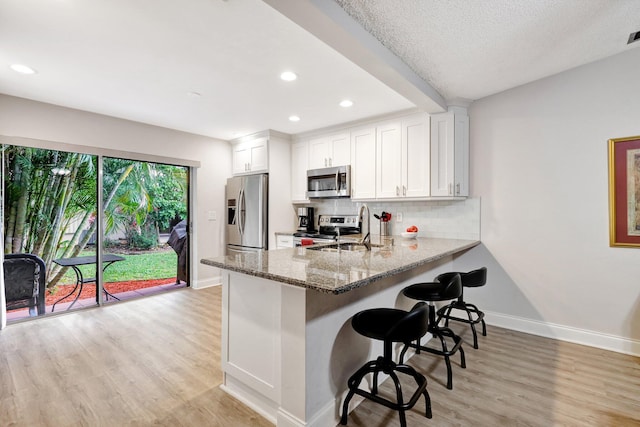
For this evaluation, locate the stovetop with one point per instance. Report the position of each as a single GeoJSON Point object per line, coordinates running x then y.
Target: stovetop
{"type": "Point", "coordinates": [329, 226]}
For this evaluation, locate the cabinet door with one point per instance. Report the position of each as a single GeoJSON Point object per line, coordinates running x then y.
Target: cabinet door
{"type": "Point", "coordinates": [363, 164]}
{"type": "Point", "coordinates": [319, 153]}
{"type": "Point", "coordinates": [259, 156]}
{"type": "Point", "coordinates": [241, 158]}
{"type": "Point", "coordinates": [442, 152]}
{"type": "Point", "coordinates": [415, 156]}
{"type": "Point", "coordinates": [299, 166]}
{"type": "Point", "coordinates": [461, 164]}
{"type": "Point", "coordinates": [284, 241]}
{"type": "Point", "coordinates": [389, 160]}
{"type": "Point", "coordinates": [340, 150]}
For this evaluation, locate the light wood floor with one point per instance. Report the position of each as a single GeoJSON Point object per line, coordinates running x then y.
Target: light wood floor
{"type": "Point", "coordinates": [156, 361]}
{"type": "Point", "coordinates": [152, 361]}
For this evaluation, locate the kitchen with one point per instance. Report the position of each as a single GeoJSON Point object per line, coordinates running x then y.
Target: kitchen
{"type": "Point", "coordinates": [534, 213]}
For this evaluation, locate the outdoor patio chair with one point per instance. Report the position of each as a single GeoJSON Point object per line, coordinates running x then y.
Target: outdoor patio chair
{"type": "Point", "coordinates": [24, 282]}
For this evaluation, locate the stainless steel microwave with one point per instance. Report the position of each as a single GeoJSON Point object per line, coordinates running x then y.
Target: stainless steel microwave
{"type": "Point", "coordinates": [328, 183]}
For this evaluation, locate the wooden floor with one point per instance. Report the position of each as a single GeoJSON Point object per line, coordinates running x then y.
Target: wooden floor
{"type": "Point", "coordinates": [156, 361]}
{"type": "Point", "coordinates": [151, 361]}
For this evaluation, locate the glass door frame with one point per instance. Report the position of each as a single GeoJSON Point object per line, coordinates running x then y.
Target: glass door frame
{"type": "Point", "coordinates": [100, 153]}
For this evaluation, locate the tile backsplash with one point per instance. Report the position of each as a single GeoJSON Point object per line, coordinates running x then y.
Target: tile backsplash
{"type": "Point", "coordinates": [452, 219]}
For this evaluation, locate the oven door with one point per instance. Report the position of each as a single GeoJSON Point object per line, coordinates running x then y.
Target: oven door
{"type": "Point", "coordinates": [328, 183]}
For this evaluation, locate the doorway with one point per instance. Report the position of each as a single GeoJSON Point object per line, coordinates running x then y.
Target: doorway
{"type": "Point", "coordinates": [55, 224]}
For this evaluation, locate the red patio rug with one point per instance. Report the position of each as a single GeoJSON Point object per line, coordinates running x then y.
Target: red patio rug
{"type": "Point", "coordinates": [89, 290]}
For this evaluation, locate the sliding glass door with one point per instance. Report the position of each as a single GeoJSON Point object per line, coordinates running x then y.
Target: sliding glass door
{"type": "Point", "coordinates": [145, 217]}
{"type": "Point", "coordinates": [54, 223]}
{"type": "Point", "coordinates": [49, 203]}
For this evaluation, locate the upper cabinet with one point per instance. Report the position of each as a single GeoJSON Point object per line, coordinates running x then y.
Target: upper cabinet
{"type": "Point", "coordinates": [389, 160]}
{"type": "Point", "coordinates": [328, 151]}
{"type": "Point", "coordinates": [414, 156]}
{"type": "Point", "coordinates": [250, 157]}
{"type": "Point", "coordinates": [402, 167]}
{"type": "Point", "coordinates": [363, 165]}
{"type": "Point", "coordinates": [450, 154]}
{"type": "Point", "coordinates": [299, 166]}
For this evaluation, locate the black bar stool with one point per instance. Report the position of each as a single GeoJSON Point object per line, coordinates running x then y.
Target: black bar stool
{"type": "Point", "coordinates": [389, 325]}
{"type": "Point", "coordinates": [432, 292]}
{"type": "Point", "coordinates": [472, 279]}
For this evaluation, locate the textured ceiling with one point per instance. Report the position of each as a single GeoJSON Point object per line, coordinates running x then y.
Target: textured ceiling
{"type": "Point", "coordinates": [471, 49]}
{"type": "Point", "coordinates": [139, 60]}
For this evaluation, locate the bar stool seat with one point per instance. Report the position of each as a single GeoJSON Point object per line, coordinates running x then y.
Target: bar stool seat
{"type": "Point", "coordinates": [390, 326]}
{"type": "Point", "coordinates": [472, 279]}
{"type": "Point", "coordinates": [433, 292]}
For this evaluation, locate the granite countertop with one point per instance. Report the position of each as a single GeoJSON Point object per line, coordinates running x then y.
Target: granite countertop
{"type": "Point", "coordinates": [338, 272]}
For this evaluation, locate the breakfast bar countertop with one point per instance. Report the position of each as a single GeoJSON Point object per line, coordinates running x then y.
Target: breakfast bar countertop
{"type": "Point", "coordinates": [339, 272]}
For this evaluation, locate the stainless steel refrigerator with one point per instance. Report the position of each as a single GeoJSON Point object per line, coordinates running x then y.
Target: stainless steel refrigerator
{"type": "Point", "coordinates": [247, 206]}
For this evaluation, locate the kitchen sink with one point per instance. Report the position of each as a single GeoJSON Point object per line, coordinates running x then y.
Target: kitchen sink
{"type": "Point", "coordinates": [348, 247]}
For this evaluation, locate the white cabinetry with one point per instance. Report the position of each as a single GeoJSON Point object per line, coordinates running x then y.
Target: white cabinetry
{"type": "Point", "coordinates": [269, 152]}
{"type": "Point", "coordinates": [415, 157]}
{"type": "Point", "coordinates": [331, 150]}
{"type": "Point", "coordinates": [363, 164]}
{"type": "Point", "coordinates": [402, 169]}
{"type": "Point", "coordinates": [299, 166]}
{"type": "Point", "coordinates": [251, 157]}
{"type": "Point", "coordinates": [450, 154]}
{"type": "Point", "coordinates": [284, 241]}
{"type": "Point", "coordinates": [389, 160]}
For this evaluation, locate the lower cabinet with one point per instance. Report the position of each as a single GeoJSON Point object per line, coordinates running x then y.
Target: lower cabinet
{"type": "Point", "coordinates": [284, 241]}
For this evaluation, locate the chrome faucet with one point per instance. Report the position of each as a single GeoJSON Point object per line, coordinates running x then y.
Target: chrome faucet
{"type": "Point", "coordinates": [366, 239]}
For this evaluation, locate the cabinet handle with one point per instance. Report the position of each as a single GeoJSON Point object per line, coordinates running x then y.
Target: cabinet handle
{"type": "Point", "coordinates": [450, 189]}
{"type": "Point", "coordinates": [404, 190]}
{"type": "Point", "coordinates": [458, 189]}
{"type": "Point", "coordinates": [325, 162]}
{"type": "Point", "coordinates": [397, 190]}
{"type": "Point", "coordinates": [330, 161]}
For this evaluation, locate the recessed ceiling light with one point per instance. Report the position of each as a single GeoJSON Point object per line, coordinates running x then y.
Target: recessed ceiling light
{"type": "Point", "coordinates": [22, 69]}
{"type": "Point", "coordinates": [346, 103]}
{"type": "Point", "coordinates": [634, 37]}
{"type": "Point", "coordinates": [288, 76]}
{"type": "Point", "coordinates": [294, 118]}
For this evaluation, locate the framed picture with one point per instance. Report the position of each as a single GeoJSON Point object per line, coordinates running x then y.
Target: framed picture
{"type": "Point", "coordinates": [624, 192]}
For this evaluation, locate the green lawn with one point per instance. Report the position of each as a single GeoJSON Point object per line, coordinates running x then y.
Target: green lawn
{"type": "Point", "coordinates": [147, 266]}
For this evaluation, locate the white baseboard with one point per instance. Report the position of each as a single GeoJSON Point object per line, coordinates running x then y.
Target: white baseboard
{"type": "Point", "coordinates": [251, 398]}
{"type": "Point", "coordinates": [564, 333]}
{"type": "Point", "coordinates": [207, 283]}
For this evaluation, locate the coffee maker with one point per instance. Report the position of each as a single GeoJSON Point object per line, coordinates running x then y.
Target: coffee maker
{"type": "Point", "coordinates": [306, 220]}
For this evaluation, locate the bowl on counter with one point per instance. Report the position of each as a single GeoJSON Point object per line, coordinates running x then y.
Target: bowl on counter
{"type": "Point", "coordinates": [409, 234]}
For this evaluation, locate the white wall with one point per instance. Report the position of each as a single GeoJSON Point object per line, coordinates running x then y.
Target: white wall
{"type": "Point", "coordinates": [539, 162]}
{"type": "Point", "coordinates": [30, 119]}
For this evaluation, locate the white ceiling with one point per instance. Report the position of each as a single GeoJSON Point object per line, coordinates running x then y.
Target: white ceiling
{"type": "Point", "coordinates": [471, 49]}
{"type": "Point", "coordinates": [140, 60]}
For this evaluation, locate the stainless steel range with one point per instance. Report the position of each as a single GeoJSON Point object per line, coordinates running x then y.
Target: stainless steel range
{"type": "Point", "coordinates": [330, 228]}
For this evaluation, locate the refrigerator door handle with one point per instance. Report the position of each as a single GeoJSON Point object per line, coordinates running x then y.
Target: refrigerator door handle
{"type": "Point", "coordinates": [241, 212]}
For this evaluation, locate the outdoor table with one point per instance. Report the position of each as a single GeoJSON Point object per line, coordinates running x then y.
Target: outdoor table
{"type": "Point", "coordinates": [74, 263]}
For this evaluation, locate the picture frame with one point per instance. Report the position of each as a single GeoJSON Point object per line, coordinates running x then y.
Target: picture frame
{"type": "Point", "coordinates": [624, 192]}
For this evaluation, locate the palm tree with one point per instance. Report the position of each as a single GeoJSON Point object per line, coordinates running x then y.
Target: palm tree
{"type": "Point", "coordinates": [51, 193]}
